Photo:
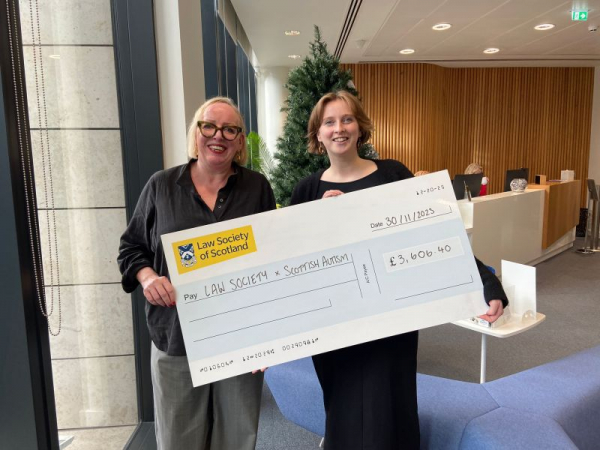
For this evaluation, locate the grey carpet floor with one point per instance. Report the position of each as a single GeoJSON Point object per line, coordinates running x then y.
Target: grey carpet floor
{"type": "Point", "coordinates": [568, 293]}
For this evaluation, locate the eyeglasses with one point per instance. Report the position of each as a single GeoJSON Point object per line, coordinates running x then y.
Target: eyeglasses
{"type": "Point", "coordinates": [229, 132]}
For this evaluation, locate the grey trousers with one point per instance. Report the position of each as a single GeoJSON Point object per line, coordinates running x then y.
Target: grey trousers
{"type": "Point", "coordinates": [219, 416]}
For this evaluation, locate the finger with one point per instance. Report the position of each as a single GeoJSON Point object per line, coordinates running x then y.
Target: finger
{"type": "Point", "coordinates": [492, 319]}
{"type": "Point", "coordinates": [164, 296]}
{"type": "Point", "coordinates": [151, 297]}
{"type": "Point", "coordinates": [332, 193]}
{"type": "Point", "coordinates": [493, 310]}
{"type": "Point", "coordinates": [158, 301]}
{"type": "Point", "coordinates": [263, 369]}
{"type": "Point", "coordinates": [170, 290]}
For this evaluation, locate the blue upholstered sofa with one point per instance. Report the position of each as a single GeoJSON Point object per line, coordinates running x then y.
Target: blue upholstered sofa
{"type": "Point", "coordinates": [553, 406]}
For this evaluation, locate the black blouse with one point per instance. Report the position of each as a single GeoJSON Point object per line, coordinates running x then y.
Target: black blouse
{"type": "Point", "coordinates": [169, 203]}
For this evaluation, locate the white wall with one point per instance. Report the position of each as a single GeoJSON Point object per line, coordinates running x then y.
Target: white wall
{"type": "Point", "coordinates": [271, 96]}
{"type": "Point", "coordinates": [594, 163]}
{"type": "Point", "coordinates": [180, 72]}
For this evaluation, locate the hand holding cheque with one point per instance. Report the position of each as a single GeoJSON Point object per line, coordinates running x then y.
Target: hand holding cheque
{"type": "Point", "coordinates": [281, 285]}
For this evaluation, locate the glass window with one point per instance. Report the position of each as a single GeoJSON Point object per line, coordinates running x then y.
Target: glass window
{"type": "Point", "coordinates": [74, 119]}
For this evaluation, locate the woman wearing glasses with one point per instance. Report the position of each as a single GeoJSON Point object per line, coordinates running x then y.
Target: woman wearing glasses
{"type": "Point", "coordinates": [213, 186]}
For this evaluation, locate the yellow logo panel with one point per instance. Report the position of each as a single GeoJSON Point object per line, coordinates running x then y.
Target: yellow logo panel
{"type": "Point", "coordinates": [203, 251]}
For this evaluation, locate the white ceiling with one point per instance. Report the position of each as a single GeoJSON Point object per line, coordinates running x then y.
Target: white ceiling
{"type": "Point", "coordinates": [388, 26]}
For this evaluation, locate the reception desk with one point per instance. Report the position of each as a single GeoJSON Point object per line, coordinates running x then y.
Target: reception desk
{"type": "Point", "coordinates": [512, 226]}
{"type": "Point", "coordinates": [561, 209]}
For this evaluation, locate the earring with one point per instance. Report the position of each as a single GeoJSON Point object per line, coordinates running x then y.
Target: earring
{"type": "Point", "coordinates": [238, 157]}
{"type": "Point", "coordinates": [322, 149]}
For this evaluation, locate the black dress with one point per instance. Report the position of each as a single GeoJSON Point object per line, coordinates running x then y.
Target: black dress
{"type": "Point", "coordinates": [370, 389]}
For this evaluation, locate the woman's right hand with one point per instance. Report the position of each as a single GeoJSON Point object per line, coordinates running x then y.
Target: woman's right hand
{"type": "Point", "coordinates": [158, 290]}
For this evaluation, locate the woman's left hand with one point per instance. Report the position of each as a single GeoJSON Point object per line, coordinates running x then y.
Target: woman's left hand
{"type": "Point", "coordinates": [494, 312]}
{"type": "Point", "coordinates": [261, 370]}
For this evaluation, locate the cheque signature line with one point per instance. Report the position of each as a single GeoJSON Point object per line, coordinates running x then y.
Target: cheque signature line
{"type": "Point", "coordinates": [416, 220]}
{"type": "Point", "coordinates": [356, 275]}
{"type": "Point", "coordinates": [374, 271]}
{"type": "Point", "coordinates": [268, 321]}
{"type": "Point", "coordinates": [270, 301]}
{"type": "Point", "coordinates": [436, 290]}
{"type": "Point", "coordinates": [267, 282]}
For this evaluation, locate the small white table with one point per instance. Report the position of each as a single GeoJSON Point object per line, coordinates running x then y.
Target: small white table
{"type": "Point", "coordinates": [513, 326]}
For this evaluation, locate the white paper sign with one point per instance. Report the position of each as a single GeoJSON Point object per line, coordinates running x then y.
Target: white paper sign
{"type": "Point", "coordinates": [281, 285]}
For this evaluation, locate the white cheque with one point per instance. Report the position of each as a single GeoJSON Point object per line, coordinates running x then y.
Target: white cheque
{"type": "Point", "coordinates": [281, 285]}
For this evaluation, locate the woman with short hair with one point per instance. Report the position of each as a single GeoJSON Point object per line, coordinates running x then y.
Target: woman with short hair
{"type": "Point", "coordinates": [212, 187]}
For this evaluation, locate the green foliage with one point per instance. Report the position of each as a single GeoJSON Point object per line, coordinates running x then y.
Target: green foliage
{"type": "Point", "coordinates": [319, 74]}
{"type": "Point", "coordinates": [259, 156]}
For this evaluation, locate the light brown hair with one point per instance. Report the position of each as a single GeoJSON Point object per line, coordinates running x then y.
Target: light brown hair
{"type": "Point", "coordinates": [240, 157]}
{"type": "Point", "coordinates": [316, 118]}
{"type": "Point", "coordinates": [473, 168]}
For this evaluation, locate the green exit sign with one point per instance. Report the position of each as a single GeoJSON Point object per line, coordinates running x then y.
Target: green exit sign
{"type": "Point", "coordinates": [580, 15]}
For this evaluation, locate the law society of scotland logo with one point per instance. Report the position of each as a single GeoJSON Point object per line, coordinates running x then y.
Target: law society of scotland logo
{"type": "Point", "coordinates": [186, 253]}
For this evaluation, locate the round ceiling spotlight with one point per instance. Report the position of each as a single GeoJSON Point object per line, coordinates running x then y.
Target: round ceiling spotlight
{"type": "Point", "coordinates": [441, 26]}
{"type": "Point", "coordinates": [407, 51]}
{"type": "Point", "coordinates": [544, 26]}
{"type": "Point", "coordinates": [294, 56]}
{"type": "Point", "coordinates": [489, 51]}
{"type": "Point", "coordinates": [292, 33]}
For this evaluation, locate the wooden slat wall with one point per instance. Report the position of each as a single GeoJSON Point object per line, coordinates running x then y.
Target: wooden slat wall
{"type": "Point", "coordinates": [434, 118]}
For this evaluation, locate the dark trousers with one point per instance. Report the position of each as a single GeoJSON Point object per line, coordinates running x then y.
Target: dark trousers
{"type": "Point", "coordinates": [370, 395]}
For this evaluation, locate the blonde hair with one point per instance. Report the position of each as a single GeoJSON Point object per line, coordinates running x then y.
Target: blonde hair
{"type": "Point", "coordinates": [473, 168]}
{"type": "Point", "coordinates": [316, 118]}
{"type": "Point", "coordinates": [241, 156]}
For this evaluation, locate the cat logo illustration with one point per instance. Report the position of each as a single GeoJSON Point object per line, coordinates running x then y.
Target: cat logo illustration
{"type": "Point", "coordinates": [186, 252]}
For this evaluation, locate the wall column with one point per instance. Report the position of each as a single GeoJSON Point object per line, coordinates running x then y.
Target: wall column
{"type": "Point", "coordinates": [180, 72]}
{"type": "Point", "coordinates": [272, 96]}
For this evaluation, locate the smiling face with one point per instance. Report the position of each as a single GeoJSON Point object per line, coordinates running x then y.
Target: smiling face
{"type": "Point", "coordinates": [339, 131]}
{"type": "Point", "coordinates": [216, 153]}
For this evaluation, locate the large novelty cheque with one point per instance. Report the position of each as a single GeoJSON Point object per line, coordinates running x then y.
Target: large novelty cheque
{"type": "Point", "coordinates": [269, 288]}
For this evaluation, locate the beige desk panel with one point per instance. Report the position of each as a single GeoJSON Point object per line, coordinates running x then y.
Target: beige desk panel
{"type": "Point", "coordinates": [561, 209]}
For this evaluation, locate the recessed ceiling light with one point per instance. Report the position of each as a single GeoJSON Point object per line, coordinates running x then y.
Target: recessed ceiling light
{"type": "Point", "coordinates": [54, 56]}
{"type": "Point", "coordinates": [441, 26]}
{"type": "Point", "coordinates": [544, 26]}
{"type": "Point", "coordinates": [292, 33]}
{"type": "Point", "coordinates": [294, 56]}
{"type": "Point", "coordinates": [491, 50]}
{"type": "Point", "coordinates": [407, 51]}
